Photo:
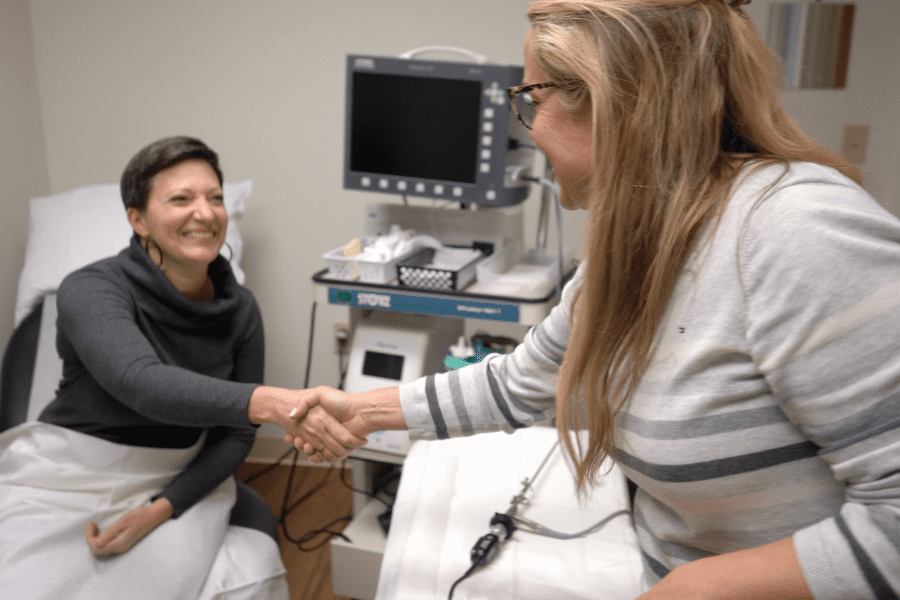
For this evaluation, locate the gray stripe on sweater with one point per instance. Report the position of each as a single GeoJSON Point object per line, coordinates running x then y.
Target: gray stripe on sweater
{"type": "Point", "coordinates": [888, 522]}
{"type": "Point", "coordinates": [877, 582]}
{"type": "Point", "coordinates": [859, 426]}
{"type": "Point", "coordinates": [434, 406]}
{"type": "Point", "coordinates": [722, 467]}
{"type": "Point", "coordinates": [465, 423]}
{"type": "Point", "coordinates": [692, 428]}
{"type": "Point", "coordinates": [501, 402]}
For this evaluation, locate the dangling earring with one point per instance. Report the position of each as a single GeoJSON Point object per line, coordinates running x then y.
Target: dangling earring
{"type": "Point", "coordinates": [230, 251]}
{"type": "Point", "coordinates": [147, 249]}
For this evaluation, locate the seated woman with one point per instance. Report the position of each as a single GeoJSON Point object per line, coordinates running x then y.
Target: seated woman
{"type": "Point", "coordinates": [123, 487]}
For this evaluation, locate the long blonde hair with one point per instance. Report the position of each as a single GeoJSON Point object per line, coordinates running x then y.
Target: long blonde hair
{"type": "Point", "coordinates": [682, 94]}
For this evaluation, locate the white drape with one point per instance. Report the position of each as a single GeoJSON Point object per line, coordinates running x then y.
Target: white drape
{"type": "Point", "coordinates": [53, 481]}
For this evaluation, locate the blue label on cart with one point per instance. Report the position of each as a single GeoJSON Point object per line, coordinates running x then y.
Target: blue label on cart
{"type": "Point", "coordinates": [425, 305]}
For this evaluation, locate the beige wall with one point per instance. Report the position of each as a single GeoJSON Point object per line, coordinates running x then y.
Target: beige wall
{"type": "Point", "coordinates": [23, 161]}
{"type": "Point", "coordinates": [263, 83]}
{"type": "Point", "coordinates": [871, 95]}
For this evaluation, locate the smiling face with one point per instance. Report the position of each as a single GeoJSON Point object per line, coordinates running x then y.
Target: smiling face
{"type": "Point", "coordinates": [185, 218]}
{"type": "Point", "coordinates": [565, 141]}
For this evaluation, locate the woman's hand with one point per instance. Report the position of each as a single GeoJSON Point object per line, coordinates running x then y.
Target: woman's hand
{"type": "Point", "coordinates": [357, 414]}
{"type": "Point", "coordinates": [131, 527]}
{"type": "Point", "coordinates": [298, 412]}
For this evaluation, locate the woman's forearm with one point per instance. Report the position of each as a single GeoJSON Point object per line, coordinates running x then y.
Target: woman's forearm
{"type": "Point", "coordinates": [770, 572]}
{"type": "Point", "coordinates": [380, 409]}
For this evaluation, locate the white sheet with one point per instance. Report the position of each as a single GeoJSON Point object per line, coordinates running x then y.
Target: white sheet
{"type": "Point", "coordinates": [53, 481]}
{"type": "Point", "coordinates": [48, 366]}
{"type": "Point", "coordinates": [450, 490]}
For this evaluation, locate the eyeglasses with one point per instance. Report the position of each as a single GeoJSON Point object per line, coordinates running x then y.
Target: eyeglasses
{"type": "Point", "coordinates": [523, 103]}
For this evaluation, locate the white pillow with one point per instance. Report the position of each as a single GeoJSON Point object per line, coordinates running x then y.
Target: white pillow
{"type": "Point", "coordinates": [70, 230]}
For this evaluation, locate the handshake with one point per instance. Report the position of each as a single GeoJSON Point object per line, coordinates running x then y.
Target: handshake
{"type": "Point", "coordinates": [325, 423]}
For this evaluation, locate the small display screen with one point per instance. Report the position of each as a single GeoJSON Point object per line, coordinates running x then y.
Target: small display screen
{"type": "Point", "coordinates": [417, 127]}
{"type": "Point", "coordinates": [379, 364]}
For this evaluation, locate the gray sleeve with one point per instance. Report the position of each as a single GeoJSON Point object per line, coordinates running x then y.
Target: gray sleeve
{"type": "Point", "coordinates": [820, 262]}
{"type": "Point", "coordinates": [97, 317]}
{"type": "Point", "coordinates": [503, 392]}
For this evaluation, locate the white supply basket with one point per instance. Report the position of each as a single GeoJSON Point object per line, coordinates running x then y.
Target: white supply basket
{"type": "Point", "coordinates": [351, 268]}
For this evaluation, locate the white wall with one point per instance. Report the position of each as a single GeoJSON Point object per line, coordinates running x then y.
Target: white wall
{"type": "Point", "coordinates": [23, 161]}
{"type": "Point", "coordinates": [262, 83]}
{"type": "Point", "coordinates": [871, 95]}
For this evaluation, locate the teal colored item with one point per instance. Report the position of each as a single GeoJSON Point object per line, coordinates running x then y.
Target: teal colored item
{"type": "Point", "coordinates": [453, 362]}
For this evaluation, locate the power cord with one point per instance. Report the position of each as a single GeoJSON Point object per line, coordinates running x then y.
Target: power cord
{"type": "Point", "coordinates": [380, 486]}
{"type": "Point", "coordinates": [287, 506]}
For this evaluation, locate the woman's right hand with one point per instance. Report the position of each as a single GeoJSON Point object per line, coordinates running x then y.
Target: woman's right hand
{"type": "Point", "coordinates": [301, 414]}
{"type": "Point", "coordinates": [358, 414]}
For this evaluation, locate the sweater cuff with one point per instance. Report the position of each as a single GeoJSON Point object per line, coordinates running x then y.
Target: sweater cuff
{"type": "Point", "coordinates": [818, 552]}
{"type": "Point", "coordinates": [414, 404]}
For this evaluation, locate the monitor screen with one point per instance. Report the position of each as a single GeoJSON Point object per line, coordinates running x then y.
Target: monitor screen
{"type": "Point", "coordinates": [418, 127]}
{"type": "Point", "coordinates": [435, 129]}
{"type": "Point", "coordinates": [380, 364]}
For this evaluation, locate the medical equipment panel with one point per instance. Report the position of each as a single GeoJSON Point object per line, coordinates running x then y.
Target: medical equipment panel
{"type": "Point", "coordinates": [387, 349]}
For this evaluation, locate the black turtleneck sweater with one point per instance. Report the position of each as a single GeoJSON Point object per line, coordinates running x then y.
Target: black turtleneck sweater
{"type": "Point", "coordinates": [145, 366]}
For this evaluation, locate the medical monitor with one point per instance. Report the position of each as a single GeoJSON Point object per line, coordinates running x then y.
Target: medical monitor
{"type": "Point", "coordinates": [435, 129]}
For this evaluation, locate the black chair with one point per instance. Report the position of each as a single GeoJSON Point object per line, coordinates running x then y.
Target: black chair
{"type": "Point", "coordinates": [19, 360]}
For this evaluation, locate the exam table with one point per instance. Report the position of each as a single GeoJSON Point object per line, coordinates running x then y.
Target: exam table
{"type": "Point", "coordinates": [448, 493]}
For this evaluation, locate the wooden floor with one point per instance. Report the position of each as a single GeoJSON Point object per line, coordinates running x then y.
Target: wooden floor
{"type": "Point", "coordinates": [317, 497]}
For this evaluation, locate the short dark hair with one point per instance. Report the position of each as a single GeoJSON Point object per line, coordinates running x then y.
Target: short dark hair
{"type": "Point", "coordinates": [137, 178]}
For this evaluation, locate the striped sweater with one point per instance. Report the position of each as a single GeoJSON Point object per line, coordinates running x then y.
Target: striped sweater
{"type": "Point", "coordinates": [771, 407]}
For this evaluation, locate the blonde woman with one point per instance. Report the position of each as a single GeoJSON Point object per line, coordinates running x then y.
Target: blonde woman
{"type": "Point", "coordinates": [732, 336]}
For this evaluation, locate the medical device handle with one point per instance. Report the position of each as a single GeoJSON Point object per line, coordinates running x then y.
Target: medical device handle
{"type": "Point", "coordinates": [478, 58]}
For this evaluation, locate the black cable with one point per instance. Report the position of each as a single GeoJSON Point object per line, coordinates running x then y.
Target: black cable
{"type": "Point", "coordinates": [286, 508]}
{"type": "Point", "coordinates": [309, 350]}
{"type": "Point", "coordinates": [374, 495]}
{"type": "Point", "coordinates": [331, 534]}
{"type": "Point", "coordinates": [457, 582]}
{"type": "Point", "coordinates": [269, 467]}
{"type": "Point", "coordinates": [342, 369]}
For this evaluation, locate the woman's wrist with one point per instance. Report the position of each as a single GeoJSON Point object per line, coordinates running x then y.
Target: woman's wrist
{"type": "Point", "coordinates": [163, 508]}
{"type": "Point", "coordinates": [260, 407]}
{"type": "Point", "coordinates": [381, 409]}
